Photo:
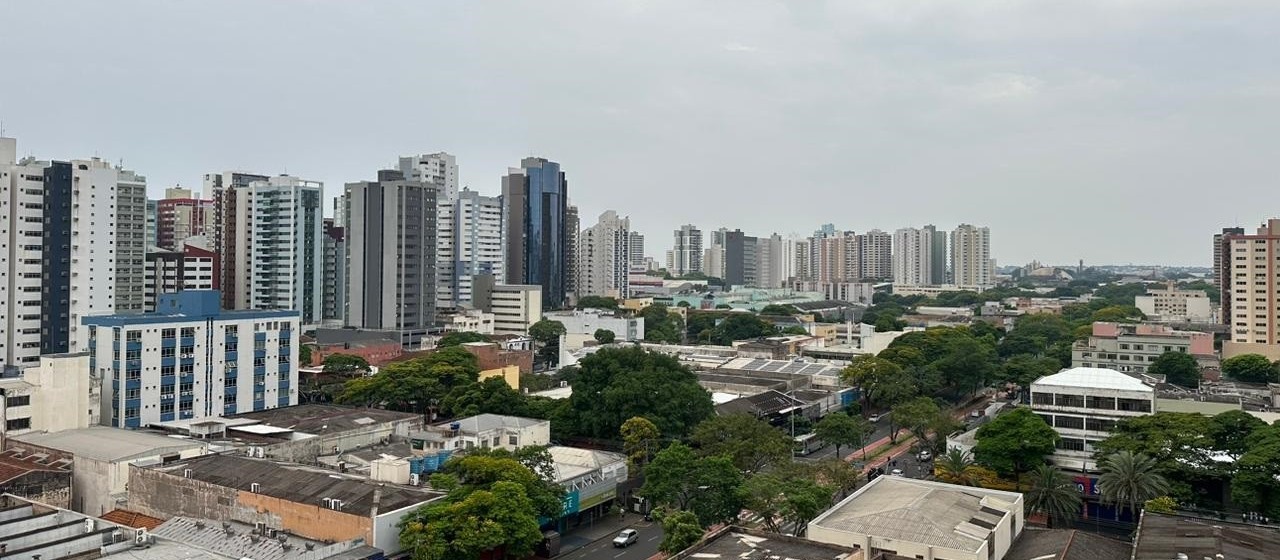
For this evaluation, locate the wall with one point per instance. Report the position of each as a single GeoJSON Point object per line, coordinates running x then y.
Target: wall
{"type": "Point", "coordinates": [386, 530]}
{"type": "Point", "coordinates": [305, 451]}
{"type": "Point", "coordinates": [374, 353]}
{"type": "Point", "coordinates": [510, 374]}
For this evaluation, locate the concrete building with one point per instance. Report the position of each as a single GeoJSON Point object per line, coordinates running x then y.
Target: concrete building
{"type": "Point", "coordinates": [536, 235]}
{"type": "Point", "coordinates": [184, 360]}
{"type": "Point", "coordinates": [1160, 536]}
{"type": "Point", "coordinates": [100, 459]}
{"type": "Point", "coordinates": [1221, 246]}
{"type": "Point", "coordinates": [923, 519]}
{"type": "Point", "coordinates": [875, 249]}
{"type": "Point", "coordinates": [309, 502]}
{"type": "Point", "coordinates": [590, 479]}
{"type": "Point", "coordinates": [938, 267]}
{"type": "Point", "coordinates": [180, 215]}
{"type": "Point", "coordinates": [603, 257]}
{"type": "Point", "coordinates": [1083, 405]}
{"type": "Point", "coordinates": [470, 320]}
{"type": "Point", "coordinates": [169, 272]}
{"type": "Point", "coordinates": [585, 322]}
{"type": "Point", "coordinates": [1171, 305]}
{"type": "Point", "coordinates": [229, 228]}
{"type": "Point", "coordinates": [391, 260]}
{"type": "Point", "coordinates": [1132, 348]}
{"type": "Point", "coordinates": [686, 253]}
{"type": "Point", "coordinates": [153, 222]}
{"type": "Point", "coordinates": [334, 301]}
{"type": "Point", "coordinates": [515, 307]}
{"type": "Point", "coordinates": [485, 431]}
{"type": "Point", "coordinates": [1251, 292]}
{"type": "Point", "coordinates": [746, 544]}
{"type": "Point", "coordinates": [852, 292]}
{"type": "Point", "coordinates": [572, 229]}
{"type": "Point", "coordinates": [772, 268]}
{"type": "Point", "coordinates": [130, 241]}
{"type": "Point", "coordinates": [473, 246]}
{"type": "Point", "coordinates": [58, 394]}
{"type": "Point", "coordinates": [635, 248]}
{"type": "Point", "coordinates": [913, 258]}
{"type": "Point", "coordinates": [971, 263]}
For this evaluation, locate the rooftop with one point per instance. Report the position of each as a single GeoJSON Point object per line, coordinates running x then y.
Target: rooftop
{"type": "Point", "coordinates": [16, 462]}
{"type": "Point", "coordinates": [1162, 537]}
{"type": "Point", "coordinates": [1067, 544]}
{"type": "Point", "coordinates": [132, 519]}
{"type": "Point", "coordinates": [109, 444]}
{"type": "Point", "coordinates": [571, 462]}
{"type": "Point", "coordinates": [768, 402]}
{"type": "Point", "coordinates": [240, 542]}
{"type": "Point", "coordinates": [187, 305]}
{"type": "Point", "coordinates": [747, 544]}
{"type": "Point", "coordinates": [1095, 378]}
{"type": "Point", "coordinates": [297, 483]}
{"type": "Point", "coordinates": [918, 511]}
{"type": "Point", "coordinates": [322, 419]}
{"type": "Point", "coordinates": [790, 367]}
{"type": "Point", "coordinates": [487, 422]}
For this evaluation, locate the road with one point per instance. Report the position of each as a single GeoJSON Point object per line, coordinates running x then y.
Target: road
{"type": "Point", "coordinates": [602, 549]}
{"type": "Point", "coordinates": [882, 431]}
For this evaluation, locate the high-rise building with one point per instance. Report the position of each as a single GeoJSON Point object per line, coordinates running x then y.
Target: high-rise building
{"type": "Point", "coordinates": [971, 263]}
{"type": "Point", "coordinates": [603, 258]}
{"type": "Point", "coordinates": [390, 236]}
{"type": "Point", "coordinates": [1220, 246]}
{"type": "Point", "coordinates": [913, 256]}
{"type": "Point", "coordinates": [180, 215]}
{"type": "Point", "coordinates": [875, 249]}
{"type": "Point", "coordinates": [938, 266]}
{"type": "Point", "coordinates": [713, 259]}
{"type": "Point", "coordinates": [636, 248]}
{"type": "Point", "coordinates": [21, 261]}
{"type": "Point", "coordinates": [131, 241]}
{"type": "Point", "coordinates": [170, 272]}
{"type": "Point", "coordinates": [535, 200]}
{"type": "Point", "coordinates": [185, 362]}
{"type": "Point", "coordinates": [229, 229]}
{"type": "Point", "coordinates": [441, 171]}
{"type": "Point", "coordinates": [572, 230]}
{"type": "Point", "coordinates": [686, 254]}
{"type": "Point", "coordinates": [153, 223]}
{"type": "Point", "coordinates": [1251, 292]}
{"type": "Point", "coordinates": [834, 256]}
{"type": "Point", "coordinates": [802, 266]}
{"type": "Point", "coordinates": [741, 258]}
{"type": "Point", "coordinates": [474, 246]}
{"type": "Point", "coordinates": [334, 306]}
{"type": "Point", "coordinates": [771, 262]}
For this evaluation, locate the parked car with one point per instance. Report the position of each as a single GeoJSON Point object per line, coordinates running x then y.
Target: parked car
{"type": "Point", "coordinates": [894, 472]}
{"type": "Point", "coordinates": [925, 456]}
{"type": "Point", "coordinates": [874, 418]}
{"type": "Point", "coordinates": [626, 538]}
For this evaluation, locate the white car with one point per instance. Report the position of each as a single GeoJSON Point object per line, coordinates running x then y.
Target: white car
{"type": "Point", "coordinates": [874, 418]}
{"type": "Point", "coordinates": [924, 456]}
{"type": "Point", "coordinates": [626, 538]}
{"type": "Point", "coordinates": [894, 472]}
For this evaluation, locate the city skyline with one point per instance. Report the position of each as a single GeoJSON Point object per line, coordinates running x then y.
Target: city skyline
{"type": "Point", "coordinates": [850, 106]}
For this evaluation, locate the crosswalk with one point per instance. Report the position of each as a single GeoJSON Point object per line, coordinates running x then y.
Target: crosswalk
{"type": "Point", "coordinates": [747, 518]}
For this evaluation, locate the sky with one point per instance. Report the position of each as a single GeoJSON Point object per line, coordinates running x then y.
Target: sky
{"type": "Point", "coordinates": [1111, 131]}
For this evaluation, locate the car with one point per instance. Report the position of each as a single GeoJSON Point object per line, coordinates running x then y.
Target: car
{"type": "Point", "coordinates": [874, 418]}
{"type": "Point", "coordinates": [894, 472]}
{"type": "Point", "coordinates": [626, 538]}
{"type": "Point", "coordinates": [924, 456]}
{"type": "Point", "coordinates": [975, 414]}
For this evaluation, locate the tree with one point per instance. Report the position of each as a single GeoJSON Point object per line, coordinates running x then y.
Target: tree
{"type": "Point", "coordinates": [530, 468]}
{"type": "Point", "coordinates": [956, 466]}
{"type": "Point", "coordinates": [741, 326]}
{"type": "Point", "coordinates": [498, 518]}
{"type": "Point", "coordinates": [794, 330]}
{"type": "Point", "coordinates": [1014, 442]}
{"type": "Point", "coordinates": [750, 443]}
{"type": "Point", "coordinates": [491, 396]}
{"type": "Point", "coordinates": [304, 354]}
{"type": "Point", "coordinates": [615, 384]}
{"type": "Point", "coordinates": [1181, 444]}
{"type": "Point", "coordinates": [546, 333]}
{"type": "Point", "coordinates": [412, 385]}
{"type": "Point", "coordinates": [707, 486]}
{"type": "Point", "coordinates": [1255, 485]}
{"type": "Point", "coordinates": [881, 380]}
{"type": "Point", "coordinates": [802, 500]}
{"type": "Point", "coordinates": [345, 364]}
{"type": "Point", "coordinates": [1163, 504]}
{"type": "Point", "coordinates": [775, 309]}
{"type": "Point", "coordinates": [1178, 368]}
{"type": "Point", "coordinates": [840, 429]}
{"type": "Point", "coordinates": [639, 440]}
{"type": "Point", "coordinates": [1251, 368]}
{"type": "Point", "coordinates": [661, 324]}
{"type": "Point", "coordinates": [1129, 479]}
{"type": "Point", "coordinates": [597, 302]}
{"type": "Point", "coordinates": [1053, 494]}
{"type": "Point", "coordinates": [1232, 430]}
{"type": "Point", "coordinates": [460, 338]}
{"type": "Point", "coordinates": [1023, 369]}
{"type": "Point", "coordinates": [922, 417]}
{"type": "Point", "coordinates": [603, 336]}
{"type": "Point", "coordinates": [680, 530]}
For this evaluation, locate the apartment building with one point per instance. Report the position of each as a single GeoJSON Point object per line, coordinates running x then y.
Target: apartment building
{"type": "Point", "coordinates": [537, 228]}
{"type": "Point", "coordinates": [170, 272]}
{"type": "Point", "coordinates": [1172, 305]}
{"type": "Point", "coordinates": [1083, 405]}
{"type": "Point", "coordinates": [1132, 348]}
{"type": "Point", "coordinates": [1251, 292]}
{"type": "Point", "coordinates": [875, 250]}
{"type": "Point", "coordinates": [1221, 247]}
{"type": "Point", "coordinates": [971, 263]}
{"type": "Point", "coordinates": [686, 254]}
{"type": "Point", "coordinates": [334, 301]}
{"type": "Point", "coordinates": [514, 307]}
{"type": "Point", "coordinates": [185, 360]}
{"type": "Point", "coordinates": [913, 257]}
{"type": "Point", "coordinates": [470, 245]}
{"type": "Point", "coordinates": [604, 257]}
{"type": "Point", "coordinates": [131, 241]}
{"type": "Point", "coordinates": [230, 228]}
{"type": "Point", "coordinates": [181, 215]}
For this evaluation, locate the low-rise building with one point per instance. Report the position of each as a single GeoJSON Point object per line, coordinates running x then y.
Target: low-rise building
{"type": "Point", "coordinates": [1160, 536]}
{"type": "Point", "coordinates": [1132, 348]}
{"type": "Point", "coordinates": [470, 320]}
{"type": "Point", "coordinates": [1172, 305]}
{"type": "Point", "coordinates": [1083, 405]}
{"type": "Point", "coordinates": [493, 356]}
{"type": "Point", "coordinates": [485, 431]}
{"type": "Point", "coordinates": [58, 394]}
{"type": "Point", "coordinates": [585, 322]}
{"type": "Point", "coordinates": [590, 478]}
{"type": "Point", "coordinates": [923, 519]}
{"type": "Point", "coordinates": [934, 291]}
{"type": "Point", "coordinates": [748, 544]}
{"type": "Point", "coordinates": [100, 459]}
{"type": "Point", "coordinates": [312, 503]}
{"type": "Point", "coordinates": [515, 307]}
{"type": "Point", "coordinates": [376, 347]}
{"type": "Point", "coordinates": [39, 477]}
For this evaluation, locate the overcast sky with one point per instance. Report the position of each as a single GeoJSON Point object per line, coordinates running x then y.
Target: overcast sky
{"type": "Point", "coordinates": [1111, 131]}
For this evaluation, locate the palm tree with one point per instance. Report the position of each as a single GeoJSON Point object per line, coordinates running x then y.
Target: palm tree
{"type": "Point", "coordinates": [1052, 494]}
{"type": "Point", "coordinates": [956, 466]}
{"type": "Point", "coordinates": [1129, 479]}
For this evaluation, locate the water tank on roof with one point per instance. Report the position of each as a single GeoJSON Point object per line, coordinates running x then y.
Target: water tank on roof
{"type": "Point", "coordinates": [455, 426]}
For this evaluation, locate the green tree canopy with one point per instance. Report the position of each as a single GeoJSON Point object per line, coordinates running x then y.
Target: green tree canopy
{"type": "Point", "coordinates": [603, 336]}
{"type": "Point", "coordinates": [843, 429]}
{"type": "Point", "coordinates": [499, 518]}
{"type": "Point", "coordinates": [1053, 494]}
{"type": "Point", "coordinates": [1129, 479]}
{"type": "Point", "coordinates": [662, 324]}
{"type": "Point", "coordinates": [597, 302]}
{"type": "Point", "coordinates": [1255, 485]}
{"type": "Point", "coordinates": [957, 467]}
{"type": "Point", "coordinates": [750, 443]}
{"type": "Point", "coordinates": [345, 364]}
{"type": "Point", "coordinates": [882, 381]}
{"type": "Point", "coordinates": [460, 338]}
{"type": "Point", "coordinates": [775, 309]}
{"type": "Point", "coordinates": [615, 384]}
{"type": "Point", "coordinates": [680, 530]}
{"type": "Point", "coordinates": [1251, 368]}
{"type": "Point", "coordinates": [491, 396]}
{"type": "Point", "coordinates": [1023, 369]}
{"type": "Point", "coordinates": [741, 326]}
{"type": "Point", "coordinates": [640, 439]}
{"type": "Point", "coordinates": [707, 486]}
{"type": "Point", "coordinates": [546, 333]}
{"type": "Point", "coordinates": [924, 419]}
{"type": "Point", "coordinates": [411, 385]}
{"type": "Point", "coordinates": [1014, 442]}
{"type": "Point", "coordinates": [1178, 368]}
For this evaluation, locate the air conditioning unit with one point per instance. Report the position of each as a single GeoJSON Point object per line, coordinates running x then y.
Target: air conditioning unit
{"type": "Point", "coordinates": [414, 479]}
{"type": "Point", "coordinates": [140, 536]}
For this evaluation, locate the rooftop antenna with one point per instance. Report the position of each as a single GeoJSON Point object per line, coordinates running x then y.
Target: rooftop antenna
{"type": "Point", "coordinates": [1, 128]}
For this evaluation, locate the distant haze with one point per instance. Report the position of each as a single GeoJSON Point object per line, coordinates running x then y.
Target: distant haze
{"type": "Point", "coordinates": [1114, 131]}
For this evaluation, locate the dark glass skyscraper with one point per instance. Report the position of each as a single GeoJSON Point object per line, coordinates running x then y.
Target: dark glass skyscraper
{"type": "Point", "coordinates": [535, 200]}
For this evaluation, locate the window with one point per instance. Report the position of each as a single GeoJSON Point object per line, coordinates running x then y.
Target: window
{"type": "Point", "coordinates": [1099, 425]}
{"type": "Point", "coordinates": [1069, 422]}
{"type": "Point", "coordinates": [167, 352]}
{"type": "Point", "coordinates": [133, 336]}
{"type": "Point", "coordinates": [188, 332]}
{"type": "Point", "coordinates": [166, 407]}
{"type": "Point", "coordinates": [188, 350]}
{"type": "Point", "coordinates": [168, 333]}
{"type": "Point", "coordinates": [1134, 405]}
{"type": "Point", "coordinates": [1071, 444]}
{"type": "Point", "coordinates": [166, 370]}
{"type": "Point", "coordinates": [18, 424]}
{"type": "Point", "coordinates": [1069, 400]}
{"type": "Point", "coordinates": [1101, 403]}
{"type": "Point", "coordinates": [131, 412]}
{"type": "Point", "coordinates": [18, 400]}
{"type": "Point", "coordinates": [513, 440]}
{"type": "Point", "coordinates": [131, 394]}
{"type": "Point", "coordinates": [1042, 398]}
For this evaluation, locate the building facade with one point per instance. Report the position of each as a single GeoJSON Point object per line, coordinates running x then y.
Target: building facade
{"type": "Point", "coordinates": [1251, 292]}
{"type": "Point", "coordinates": [515, 307]}
{"type": "Point", "coordinates": [1171, 305]}
{"type": "Point", "coordinates": [1132, 348]}
{"type": "Point", "coordinates": [604, 257]}
{"type": "Point", "coordinates": [1083, 405]}
{"type": "Point", "coordinates": [391, 267]}
{"type": "Point", "coordinates": [334, 302]}
{"type": "Point", "coordinates": [535, 200]}
{"type": "Point", "coordinates": [473, 245]}
{"type": "Point", "coordinates": [230, 228]}
{"type": "Point", "coordinates": [1221, 247]}
{"type": "Point", "coordinates": [938, 267]}
{"type": "Point", "coordinates": [635, 248]}
{"type": "Point", "coordinates": [170, 272]}
{"type": "Point", "coordinates": [913, 256]}
{"type": "Point", "coordinates": [130, 240]}
{"type": "Point", "coordinates": [875, 257]}
{"type": "Point", "coordinates": [686, 253]}
{"type": "Point", "coordinates": [180, 215]}
{"type": "Point", "coordinates": [971, 256]}
{"type": "Point", "coordinates": [187, 361]}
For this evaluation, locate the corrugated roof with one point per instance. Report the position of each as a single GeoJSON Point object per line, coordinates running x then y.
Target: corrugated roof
{"type": "Point", "coordinates": [132, 519]}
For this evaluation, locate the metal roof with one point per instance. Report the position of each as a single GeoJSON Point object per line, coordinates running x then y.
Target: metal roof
{"type": "Point", "coordinates": [1094, 378]}
{"type": "Point", "coordinates": [109, 444]}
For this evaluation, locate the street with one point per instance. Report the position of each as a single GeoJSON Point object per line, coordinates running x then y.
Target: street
{"type": "Point", "coordinates": [882, 431]}
{"type": "Point", "coordinates": [602, 548]}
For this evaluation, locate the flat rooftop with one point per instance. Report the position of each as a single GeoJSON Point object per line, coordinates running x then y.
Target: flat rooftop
{"type": "Point", "coordinates": [320, 419]}
{"type": "Point", "coordinates": [1067, 544]}
{"type": "Point", "coordinates": [1161, 537]}
{"type": "Point", "coordinates": [109, 444]}
{"type": "Point", "coordinates": [788, 367]}
{"type": "Point", "coordinates": [298, 483]}
{"type": "Point", "coordinates": [918, 511]}
{"type": "Point", "coordinates": [737, 543]}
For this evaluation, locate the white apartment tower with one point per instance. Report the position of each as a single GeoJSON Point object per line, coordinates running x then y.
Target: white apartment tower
{"type": "Point", "coordinates": [913, 256]}
{"type": "Point", "coordinates": [635, 248]}
{"type": "Point", "coordinates": [473, 246]}
{"type": "Point", "coordinates": [1251, 292]}
{"type": "Point", "coordinates": [686, 254]}
{"type": "Point", "coordinates": [875, 249]}
{"type": "Point", "coordinates": [971, 263]}
{"type": "Point", "coordinates": [604, 257]}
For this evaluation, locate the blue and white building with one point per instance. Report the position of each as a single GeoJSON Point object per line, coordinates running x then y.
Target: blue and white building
{"type": "Point", "coordinates": [190, 359]}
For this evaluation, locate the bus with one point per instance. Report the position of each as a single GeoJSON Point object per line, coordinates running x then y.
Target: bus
{"type": "Point", "coordinates": [806, 444]}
